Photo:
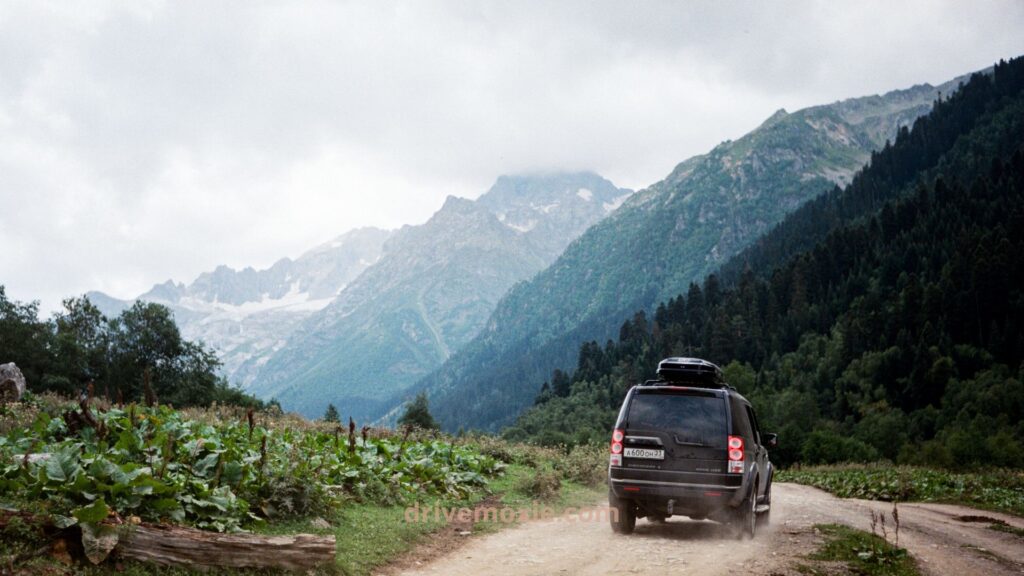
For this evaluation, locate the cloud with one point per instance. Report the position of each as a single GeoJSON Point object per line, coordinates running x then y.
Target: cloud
{"type": "Point", "coordinates": [147, 140]}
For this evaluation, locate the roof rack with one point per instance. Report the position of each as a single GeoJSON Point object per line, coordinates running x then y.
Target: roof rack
{"type": "Point", "coordinates": [693, 372]}
{"type": "Point", "coordinates": [690, 384]}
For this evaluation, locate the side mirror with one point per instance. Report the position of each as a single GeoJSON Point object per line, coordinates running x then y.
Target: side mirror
{"type": "Point", "coordinates": [771, 440]}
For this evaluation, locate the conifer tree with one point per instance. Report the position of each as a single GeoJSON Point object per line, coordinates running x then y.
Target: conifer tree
{"type": "Point", "coordinates": [417, 413]}
{"type": "Point", "coordinates": [331, 415]}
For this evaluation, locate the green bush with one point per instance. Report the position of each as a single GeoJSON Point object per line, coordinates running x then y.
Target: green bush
{"type": "Point", "coordinates": [932, 453]}
{"type": "Point", "coordinates": [543, 484]}
{"type": "Point", "coordinates": [827, 447]}
{"type": "Point", "coordinates": [159, 464]}
{"type": "Point", "coordinates": [587, 465]}
{"type": "Point", "coordinates": [996, 489]}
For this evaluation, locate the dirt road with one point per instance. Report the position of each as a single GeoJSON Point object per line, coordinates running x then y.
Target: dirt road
{"type": "Point", "coordinates": [944, 539]}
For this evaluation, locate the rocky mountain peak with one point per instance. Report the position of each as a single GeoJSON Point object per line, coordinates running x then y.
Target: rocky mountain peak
{"type": "Point", "coordinates": [539, 190]}
{"type": "Point", "coordinates": [552, 209]}
{"type": "Point", "coordinates": [454, 207]}
{"type": "Point", "coordinates": [777, 116]}
{"type": "Point", "coordinates": [168, 291]}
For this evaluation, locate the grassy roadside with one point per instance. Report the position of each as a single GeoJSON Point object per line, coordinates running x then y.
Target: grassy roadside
{"type": "Point", "coordinates": [529, 489]}
{"type": "Point", "coordinates": [858, 552]}
{"type": "Point", "coordinates": [371, 535]}
{"type": "Point", "coordinates": [225, 469]}
{"type": "Point", "coordinates": [998, 490]}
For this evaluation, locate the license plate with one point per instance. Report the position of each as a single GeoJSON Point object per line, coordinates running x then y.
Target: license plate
{"type": "Point", "coordinates": [646, 453]}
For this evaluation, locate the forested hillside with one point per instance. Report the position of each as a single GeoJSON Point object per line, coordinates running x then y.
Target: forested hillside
{"type": "Point", "coordinates": [883, 320]}
{"type": "Point", "coordinates": [80, 348]}
{"type": "Point", "coordinates": [664, 237]}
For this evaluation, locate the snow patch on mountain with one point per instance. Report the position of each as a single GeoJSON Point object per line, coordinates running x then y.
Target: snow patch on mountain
{"type": "Point", "coordinates": [614, 204]}
{"type": "Point", "coordinates": [294, 301]}
{"type": "Point", "coordinates": [524, 227]}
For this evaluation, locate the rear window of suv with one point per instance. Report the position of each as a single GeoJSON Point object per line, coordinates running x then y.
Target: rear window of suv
{"type": "Point", "coordinates": [691, 417]}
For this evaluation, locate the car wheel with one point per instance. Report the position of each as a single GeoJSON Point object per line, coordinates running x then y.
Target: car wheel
{"type": "Point", "coordinates": [746, 521]}
{"type": "Point", "coordinates": [764, 518]}
{"type": "Point", "coordinates": [622, 514]}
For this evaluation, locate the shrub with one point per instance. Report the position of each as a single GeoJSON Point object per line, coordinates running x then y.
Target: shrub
{"type": "Point", "coordinates": [543, 485]}
{"type": "Point", "coordinates": [584, 464]}
{"type": "Point", "coordinates": [827, 447]}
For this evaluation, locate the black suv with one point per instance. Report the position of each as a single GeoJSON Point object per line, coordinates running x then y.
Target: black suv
{"type": "Point", "coordinates": [688, 444]}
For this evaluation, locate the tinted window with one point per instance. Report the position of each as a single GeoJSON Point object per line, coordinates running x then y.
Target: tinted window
{"type": "Point", "coordinates": [741, 425]}
{"type": "Point", "coordinates": [753, 423]}
{"type": "Point", "coordinates": [690, 418]}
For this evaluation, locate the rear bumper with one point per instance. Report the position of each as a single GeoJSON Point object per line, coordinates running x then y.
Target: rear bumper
{"type": "Point", "coordinates": [692, 493]}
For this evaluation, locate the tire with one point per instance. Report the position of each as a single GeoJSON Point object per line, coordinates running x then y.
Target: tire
{"type": "Point", "coordinates": [622, 515]}
{"type": "Point", "coordinates": [746, 516]}
{"type": "Point", "coordinates": [765, 518]}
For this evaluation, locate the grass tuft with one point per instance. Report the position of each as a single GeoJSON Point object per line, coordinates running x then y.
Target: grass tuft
{"type": "Point", "coordinates": [862, 552]}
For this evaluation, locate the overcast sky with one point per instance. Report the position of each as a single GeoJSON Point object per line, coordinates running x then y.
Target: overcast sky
{"type": "Point", "coordinates": [141, 141]}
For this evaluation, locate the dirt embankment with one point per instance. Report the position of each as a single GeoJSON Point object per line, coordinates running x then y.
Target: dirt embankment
{"type": "Point", "coordinates": [944, 539]}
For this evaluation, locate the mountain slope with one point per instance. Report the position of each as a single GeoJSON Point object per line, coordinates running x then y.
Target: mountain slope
{"type": "Point", "coordinates": [661, 239]}
{"type": "Point", "coordinates": [431, 292]}
{"type": "Point", "coordinates": [893, 330]}
{"type": "Point", "coordinates": [247, 314]}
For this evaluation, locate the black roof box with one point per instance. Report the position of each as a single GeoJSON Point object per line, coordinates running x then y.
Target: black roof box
{"type": "Point", "coordinates": [691, 371]}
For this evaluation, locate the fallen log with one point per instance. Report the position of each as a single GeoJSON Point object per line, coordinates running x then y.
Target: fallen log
{"type": "Point", "coordinates": [199, 549]}
{"type": "Point", "coordinates": [31, 458]}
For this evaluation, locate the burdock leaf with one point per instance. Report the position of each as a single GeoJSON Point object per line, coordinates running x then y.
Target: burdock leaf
{"type": "Point", "coordinates": [94, 512]}
{"type": "Point", "coordinates": [62, 466]}
{"type": "Point", "coordinates": [63, 521]}
{"type": "Point", "coordinates": [98, 540]}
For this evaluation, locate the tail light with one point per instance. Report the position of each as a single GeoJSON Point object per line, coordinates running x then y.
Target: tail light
{"type": "Point", "coordinates": [735, 455]}
{"type": "Point", "coordinates": [616, 448]}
